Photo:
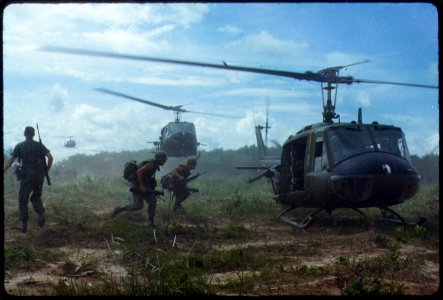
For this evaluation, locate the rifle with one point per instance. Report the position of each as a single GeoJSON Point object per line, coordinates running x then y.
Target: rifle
{"type": "Point", "coordinates": [194, 177]}
{"type": "Point", "coordinates": [156, 193]}
{"type": "Point", "coordinates": [44, 158]}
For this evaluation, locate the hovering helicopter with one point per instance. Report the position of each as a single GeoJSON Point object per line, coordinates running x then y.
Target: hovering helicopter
{"type": "Point", "coordinates": [327, 166]}
{"type": "Point", "coordinates": [178, 138]}
{"type": "Point", "coordinates": [70, 143]}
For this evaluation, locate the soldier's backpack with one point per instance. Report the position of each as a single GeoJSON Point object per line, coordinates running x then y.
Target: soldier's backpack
{"type": "Point", "coordinates": [129, 170]}
{"type": "Point", "coordinates": [165, 181]}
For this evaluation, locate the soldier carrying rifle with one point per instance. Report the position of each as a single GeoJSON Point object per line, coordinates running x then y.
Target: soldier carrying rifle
{"type": "Point", "coordinates": [143, 183]}
{"type": "Point", "coordinates": [31, 173]}
{"type": "Point", "coordinates": [178, 179]}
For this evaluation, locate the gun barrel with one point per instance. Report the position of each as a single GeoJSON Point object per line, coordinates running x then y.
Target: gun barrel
{"type": "Point", "coordinates": [252, 168]}
{"type": "Point", "coordinates": [48, 180]}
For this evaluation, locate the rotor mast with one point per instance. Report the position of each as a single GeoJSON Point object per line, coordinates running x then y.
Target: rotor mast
{"type": "Point", "coordinates": [329, 108]}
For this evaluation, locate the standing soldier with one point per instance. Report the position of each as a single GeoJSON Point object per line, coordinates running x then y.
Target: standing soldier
{"type": "Point", "coordinates": [178, 181]}
{"type": "Point", "coordinates": [31, 154]}
{"type": "Point", "coordinates": [143, 187]}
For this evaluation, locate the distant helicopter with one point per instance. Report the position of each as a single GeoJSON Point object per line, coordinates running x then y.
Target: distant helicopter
{"type": "Point", "coordinates": [178, 138]}
{"type": "Point", "coordinates": [327, 165]}
{"type": "Point", "coordinates": [70, 143]}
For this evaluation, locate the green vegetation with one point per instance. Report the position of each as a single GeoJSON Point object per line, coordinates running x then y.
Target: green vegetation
{"type": "Point", "coordinates": [228, 240]}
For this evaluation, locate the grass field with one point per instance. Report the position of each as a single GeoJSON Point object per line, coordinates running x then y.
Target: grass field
{"type": "Point", "coordinates": [227, 241]}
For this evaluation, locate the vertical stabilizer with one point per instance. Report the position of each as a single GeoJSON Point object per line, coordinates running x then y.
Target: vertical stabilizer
{"type": "Point", "coordinates": [260, 144]}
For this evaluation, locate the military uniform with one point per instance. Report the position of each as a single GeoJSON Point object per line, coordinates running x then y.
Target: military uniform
{"type": "Point", "coordinates": [138, 196]}
{"type": "Point", "coordinates": [179, 187]}
{"type": "Point", "coordinates": [31, 154]}
{"type": "Point", "coordinates": [150, 183]}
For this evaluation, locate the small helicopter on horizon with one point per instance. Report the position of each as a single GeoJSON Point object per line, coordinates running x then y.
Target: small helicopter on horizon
{"type": "Point", "coordinates": [70, 143]}
{"type": "Point", "coordinates": [328, 165]}
{"type": "Point", "coordinates": [177, 138]}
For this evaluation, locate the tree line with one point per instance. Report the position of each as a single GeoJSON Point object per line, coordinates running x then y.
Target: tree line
{"type": "Point", "coordinates": [218, 163]}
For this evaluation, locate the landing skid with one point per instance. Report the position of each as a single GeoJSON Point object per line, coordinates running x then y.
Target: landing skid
{"type": "Point", "coordinates": [303, 224]}
{"type": "Point", "coordinates": [398, 218]}
{"type": "Point", "coordinates": [308, 219]}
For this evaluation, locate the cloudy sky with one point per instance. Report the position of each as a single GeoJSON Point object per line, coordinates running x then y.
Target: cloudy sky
{"type": "Point", "coordinates": [57, 90]}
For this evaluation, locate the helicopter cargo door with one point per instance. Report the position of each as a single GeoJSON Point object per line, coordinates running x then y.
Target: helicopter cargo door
{"type": "Point", "coordinates": [317, 177]}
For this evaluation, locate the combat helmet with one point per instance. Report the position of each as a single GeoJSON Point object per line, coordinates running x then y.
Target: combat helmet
{"type": "Point", "coordinates": [160, 155]}
{"type": "Point", "coordinates": [192, 162]}
{"type": "Point", "coordinates": [29, 131]}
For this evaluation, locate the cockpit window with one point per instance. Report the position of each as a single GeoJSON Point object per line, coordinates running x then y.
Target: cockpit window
{"type": "Point", "coordinates": [391, 140]}
{"type": "Point", "coordinates": [349, 141]}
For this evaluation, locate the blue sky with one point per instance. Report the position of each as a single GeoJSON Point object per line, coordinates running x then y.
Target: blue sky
{"type": "Point", "coordinates": [57, 90]}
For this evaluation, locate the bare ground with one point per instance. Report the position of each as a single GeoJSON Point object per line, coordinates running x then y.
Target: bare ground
{"type": "Point", "coordinates": [321, 260]}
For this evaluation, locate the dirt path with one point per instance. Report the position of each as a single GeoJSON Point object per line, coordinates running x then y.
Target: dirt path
{"type": "Point", "coordinates": [318, 261]}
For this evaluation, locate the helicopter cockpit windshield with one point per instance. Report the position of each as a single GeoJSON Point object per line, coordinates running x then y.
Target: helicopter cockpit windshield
{"type": "Point", "coordinates": [350, 141]}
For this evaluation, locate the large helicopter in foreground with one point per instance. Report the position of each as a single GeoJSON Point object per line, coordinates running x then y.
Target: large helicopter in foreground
{"type": "Point", "coordinates": [178, 138]}
{"type": "Point", "coordinates": [329, 165]}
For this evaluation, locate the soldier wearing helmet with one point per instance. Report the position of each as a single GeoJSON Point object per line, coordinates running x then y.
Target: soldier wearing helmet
{"type": "Point", "coordinates": [32, 156]}
{"type": "Point", "coordinates": [178, 181]}
{"type": "Point", "coordinates": [143, 188]}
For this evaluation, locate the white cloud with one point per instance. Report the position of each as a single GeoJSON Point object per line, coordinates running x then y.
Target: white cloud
{"type": "Point", "coordinates": [57, 97]}
{"type": "Point", "coordinates": [186, 14]}
{"type": "Point", "coordinates": [265, 43]}
{"type": "Point", "coordinates": [260, 92]}
{"type": "Point", "coordinates": [127, 41]}
{"type": "Point", "coordinates": [229, 29]}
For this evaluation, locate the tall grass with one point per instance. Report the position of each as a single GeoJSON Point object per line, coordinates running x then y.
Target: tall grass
{"type": "Point", "coordinates": [177, 258]}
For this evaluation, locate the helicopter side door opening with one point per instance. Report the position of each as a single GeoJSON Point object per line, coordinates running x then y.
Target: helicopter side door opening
{"type": "Point", "coordinates": [291, 169]}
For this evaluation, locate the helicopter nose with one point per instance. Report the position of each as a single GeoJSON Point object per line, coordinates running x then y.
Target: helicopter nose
{"type": "Point", "coordinates": [384, 177]}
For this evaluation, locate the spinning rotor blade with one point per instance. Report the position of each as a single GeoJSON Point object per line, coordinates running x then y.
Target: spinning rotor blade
{"type": "Point", "coordinates": [215, 115]}
{"type": "Point", "coordinates": [295, 75]}
{"type": "Point", "coordinates": [174, 108]}
{"type": "Point", "coordinates": [328, 75]}
{"type": "Point", "coordinates": [395, 83]}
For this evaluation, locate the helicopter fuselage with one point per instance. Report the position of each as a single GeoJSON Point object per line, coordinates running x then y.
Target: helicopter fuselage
{"type": "Point", "coordinates": [179, 139]}
{"type": "Point", "coordinates": [345, 165]}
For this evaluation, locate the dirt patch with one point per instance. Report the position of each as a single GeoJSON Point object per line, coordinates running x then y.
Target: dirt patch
{"type": "Point", "coordinates": [318, 261]}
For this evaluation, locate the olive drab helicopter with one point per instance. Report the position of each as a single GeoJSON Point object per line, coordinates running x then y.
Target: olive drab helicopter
{"type": "Point", "coordinates": [329, 165]}
{"type": "Point", "coordinates": [70, 143]}
{"type": "Point", "coordinates": [178, 138]}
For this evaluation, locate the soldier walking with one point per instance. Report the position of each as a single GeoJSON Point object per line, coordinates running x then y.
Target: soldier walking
{"type": "Point", "coordinates": [143, 187]}
{"type": "Point", "coordinates": [32, 156]}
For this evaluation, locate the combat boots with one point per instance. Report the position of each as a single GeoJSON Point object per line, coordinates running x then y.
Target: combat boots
{"type": "Point", "coordinates": [151, 223]}
{"type": "Point", "coordinates": [117, 210]}
{"type": "Point", "coordinates": [41, 220]}
{"type": "Point", "coordinates": [23, 227]}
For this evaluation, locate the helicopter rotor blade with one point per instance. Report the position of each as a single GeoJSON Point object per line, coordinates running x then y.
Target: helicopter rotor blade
{"type": "Point", "coordinates": [395, 83]}
{"type": "Point", "coordinates": [276, 144]}
{"type": "Point", "coordinates": [224, 66]}
{"type": "Point", "coordinates": [320, 76]}
{"type": "Point", "coordinates": [174, 108]}
{"type": "Point", "coordinates": [338, 68]}
{"type": "Point", "coordinates": [215, 115]}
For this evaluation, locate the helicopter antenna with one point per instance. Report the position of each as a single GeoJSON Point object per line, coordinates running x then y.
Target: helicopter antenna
{"type": "Point", "coordinates": [267, 126]}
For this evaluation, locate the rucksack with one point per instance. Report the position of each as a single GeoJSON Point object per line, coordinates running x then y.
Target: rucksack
{"type": "Point", "coordinates": [130, 169]}
{"type": "Point", "coordinates": [165, 180]}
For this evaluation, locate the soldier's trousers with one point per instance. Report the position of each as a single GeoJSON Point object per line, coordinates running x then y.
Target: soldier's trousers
{"type": "Point", "coordinates": [137, 203]}
{"type": "Point", "coordinates": [181, 192]}
{"type": "Point", "coordinates": [28, 185]}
